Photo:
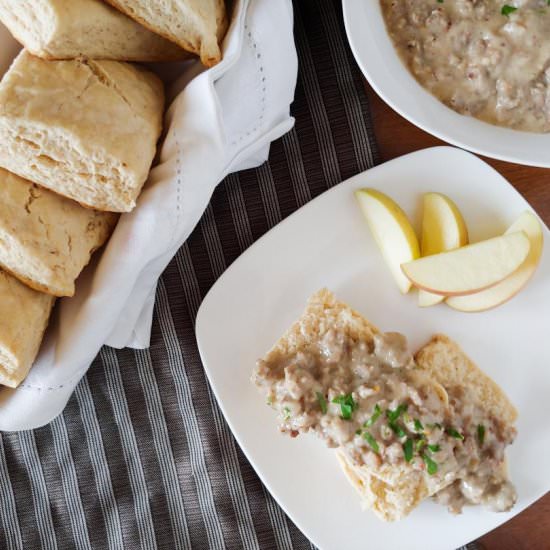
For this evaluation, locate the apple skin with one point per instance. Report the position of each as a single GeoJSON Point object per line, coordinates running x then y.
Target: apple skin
{"type": "Point", "coordinates": [392, 232]}
{"type": "Point", "coordinates": [443, 229]}
{"type": "Point", "coordinates": [471, 268]}
{"type": "Point", "coordinates": [507, 289]}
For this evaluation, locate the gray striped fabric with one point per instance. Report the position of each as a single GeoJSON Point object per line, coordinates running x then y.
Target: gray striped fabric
{"type": "Point", "coordinates": [142, 458]}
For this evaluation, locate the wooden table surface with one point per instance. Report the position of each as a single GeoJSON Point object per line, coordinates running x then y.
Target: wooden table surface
{"type": "Point", "coordinates": [530, 530]}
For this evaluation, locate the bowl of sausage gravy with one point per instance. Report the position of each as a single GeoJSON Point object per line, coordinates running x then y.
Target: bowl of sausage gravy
{"type": "Point", "coordinates": [475, 73]}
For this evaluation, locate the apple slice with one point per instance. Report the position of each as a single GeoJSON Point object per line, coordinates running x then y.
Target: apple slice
{"type": "Point", "coordinates": [507, 289]}
{"type": "Point", "coordinates": [443, 229]}
{"type": "Point", "coordinates": [471, 268]}
{"type": "Point", "coordinates": [392, 232]}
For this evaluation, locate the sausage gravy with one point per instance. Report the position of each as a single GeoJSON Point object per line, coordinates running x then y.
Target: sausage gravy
{"type": "Point", "coordinates": [370, 400]}
{"type": "Point", "coordinates": [486, 58]}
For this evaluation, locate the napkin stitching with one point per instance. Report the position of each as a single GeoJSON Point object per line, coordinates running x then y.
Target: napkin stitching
{"type": "Point", "coordinates": [52, 388]}
{"type": "Point", "coordinates": [253, 44]}
{"type": "Point", "coordinates": [42, 388]}
{"type": "Point", "coordinates": [178, 188]}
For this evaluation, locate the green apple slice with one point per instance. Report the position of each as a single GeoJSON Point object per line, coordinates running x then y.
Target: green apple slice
{"type": "Point", "coordinates": [392, 232]}
{"type": "Point", "coordinates": [509, 287]}
{"type": "Point", "coordinates": [443, 229]}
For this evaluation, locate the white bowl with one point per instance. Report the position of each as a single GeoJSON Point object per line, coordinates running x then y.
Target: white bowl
{"type": "Point", "coordinates": [381, 65]}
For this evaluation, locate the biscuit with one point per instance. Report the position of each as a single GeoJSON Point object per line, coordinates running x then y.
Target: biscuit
{"type": "Point", "coordinates": [24, 315]}
{"type": "Point", "coordinates": [57, 29]}
{"type": "Point", "coordinates": [46, 239]}
{"type": "Point", "coordinates": [198, 26]}
{"type": "Point", "coordinates": [85, 129]}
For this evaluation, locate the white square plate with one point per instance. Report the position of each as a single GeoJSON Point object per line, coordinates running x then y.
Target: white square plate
{"type": "Point", "coordinates": [327, 244]}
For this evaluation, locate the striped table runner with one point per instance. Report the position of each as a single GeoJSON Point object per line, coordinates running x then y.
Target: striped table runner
{"type": "Point", "coordinates": [142, 458]}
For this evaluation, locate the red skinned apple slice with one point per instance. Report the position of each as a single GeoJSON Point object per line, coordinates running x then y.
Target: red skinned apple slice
{"type": "Point", "coordinates": [471, 268]}
{"type": "Point", "coordinates": [509, 287]}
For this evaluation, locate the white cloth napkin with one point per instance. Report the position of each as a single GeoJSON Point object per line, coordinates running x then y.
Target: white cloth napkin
{"type": "Point", "coordinates": [221, 120]}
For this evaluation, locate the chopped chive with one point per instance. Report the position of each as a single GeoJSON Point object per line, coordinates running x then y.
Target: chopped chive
{"type": "Point", "coordinates": [397, 429]}
{"type": "Point", "coordinates": [507, 10]}
{"type": "Point", "coordinates": [286, 410]}
{"type": "Point", "coordinates": [418, 425]}
{"type": "Point", "coordinates": [454, 433]}
{"type": "Point", "coordinates": [431, 465]}
{"type": "Point", "coordinates": [322, 402]}
{"type": "Point", "coordinates": [358, 432]}
{"type": "Point", "coordinates": [481, 427]}
{"type": "Point", "coordinates": [396, 413]}
{"type": "Point", "coordinates": [347, 405]}
{"type": "Point", "coordinates": [375, 415]}
{"type": "Point", "coordinates": [408, 449]}
{"type": "Point", "coordinates": [371, 441]}
{"type": "Point", "coordinates": [269, 401]}
{"type": "Point", "coordinates": [434, 448]}
{"type": "Point", "coordinates": [420, 444]}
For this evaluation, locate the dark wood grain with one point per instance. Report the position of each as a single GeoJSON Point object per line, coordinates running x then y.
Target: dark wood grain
{"type": "Point", "coordinates": [530, 530]}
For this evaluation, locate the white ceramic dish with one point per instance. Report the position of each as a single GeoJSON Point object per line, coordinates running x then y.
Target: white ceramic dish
{"type": "Point", "coordinates": [381, 65]}
{"type": "Point", "coordinates": [326, 243]}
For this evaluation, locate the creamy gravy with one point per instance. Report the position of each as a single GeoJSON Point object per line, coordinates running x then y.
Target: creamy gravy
{"type": "Point", "coordinates": [477, 60]}
{"type": "Point", "coordinates": [371, 401]}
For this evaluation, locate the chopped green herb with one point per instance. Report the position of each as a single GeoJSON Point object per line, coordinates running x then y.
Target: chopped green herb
{"type": "Point", "coordinates": [408, 449]}
{"type": "Point", "coordinates": [441, 1]}
{"type": "Point", "coordinates": [371, 441]}
{"type": "Point", "coordinates": [347, 405]}
{"type": "Point", "coordinates": [397, 429]}
{"type": "Point", "coordinates": [431, 465]}
{"type": "Point", "coordinates": [434, 448]}
{"type": "Point", "coordinates": [454, 433]}
{"type": "Point", "coordinates": [322, 402]}
{"type": "Point", "coordinates": [286, 411]}
{"type": "Point", "coordinates": [396, 413]}
{"type": "Point", "coordinates": [358, 432]}
{"type": "Point", "coordinates": [420, 444]}
{"type": "Point", "coordinates": [507, 10]}
{"type": "Point", "coordinates": [481, 427]}
{"type": "Point", "coordinates": [269, 401]}
{"type": "Point", "coordinates": [418, 425]}
{"type": "Point", "coordinates": [436, 425]}
{"type": "Point", "coordinates": [375, 415]}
